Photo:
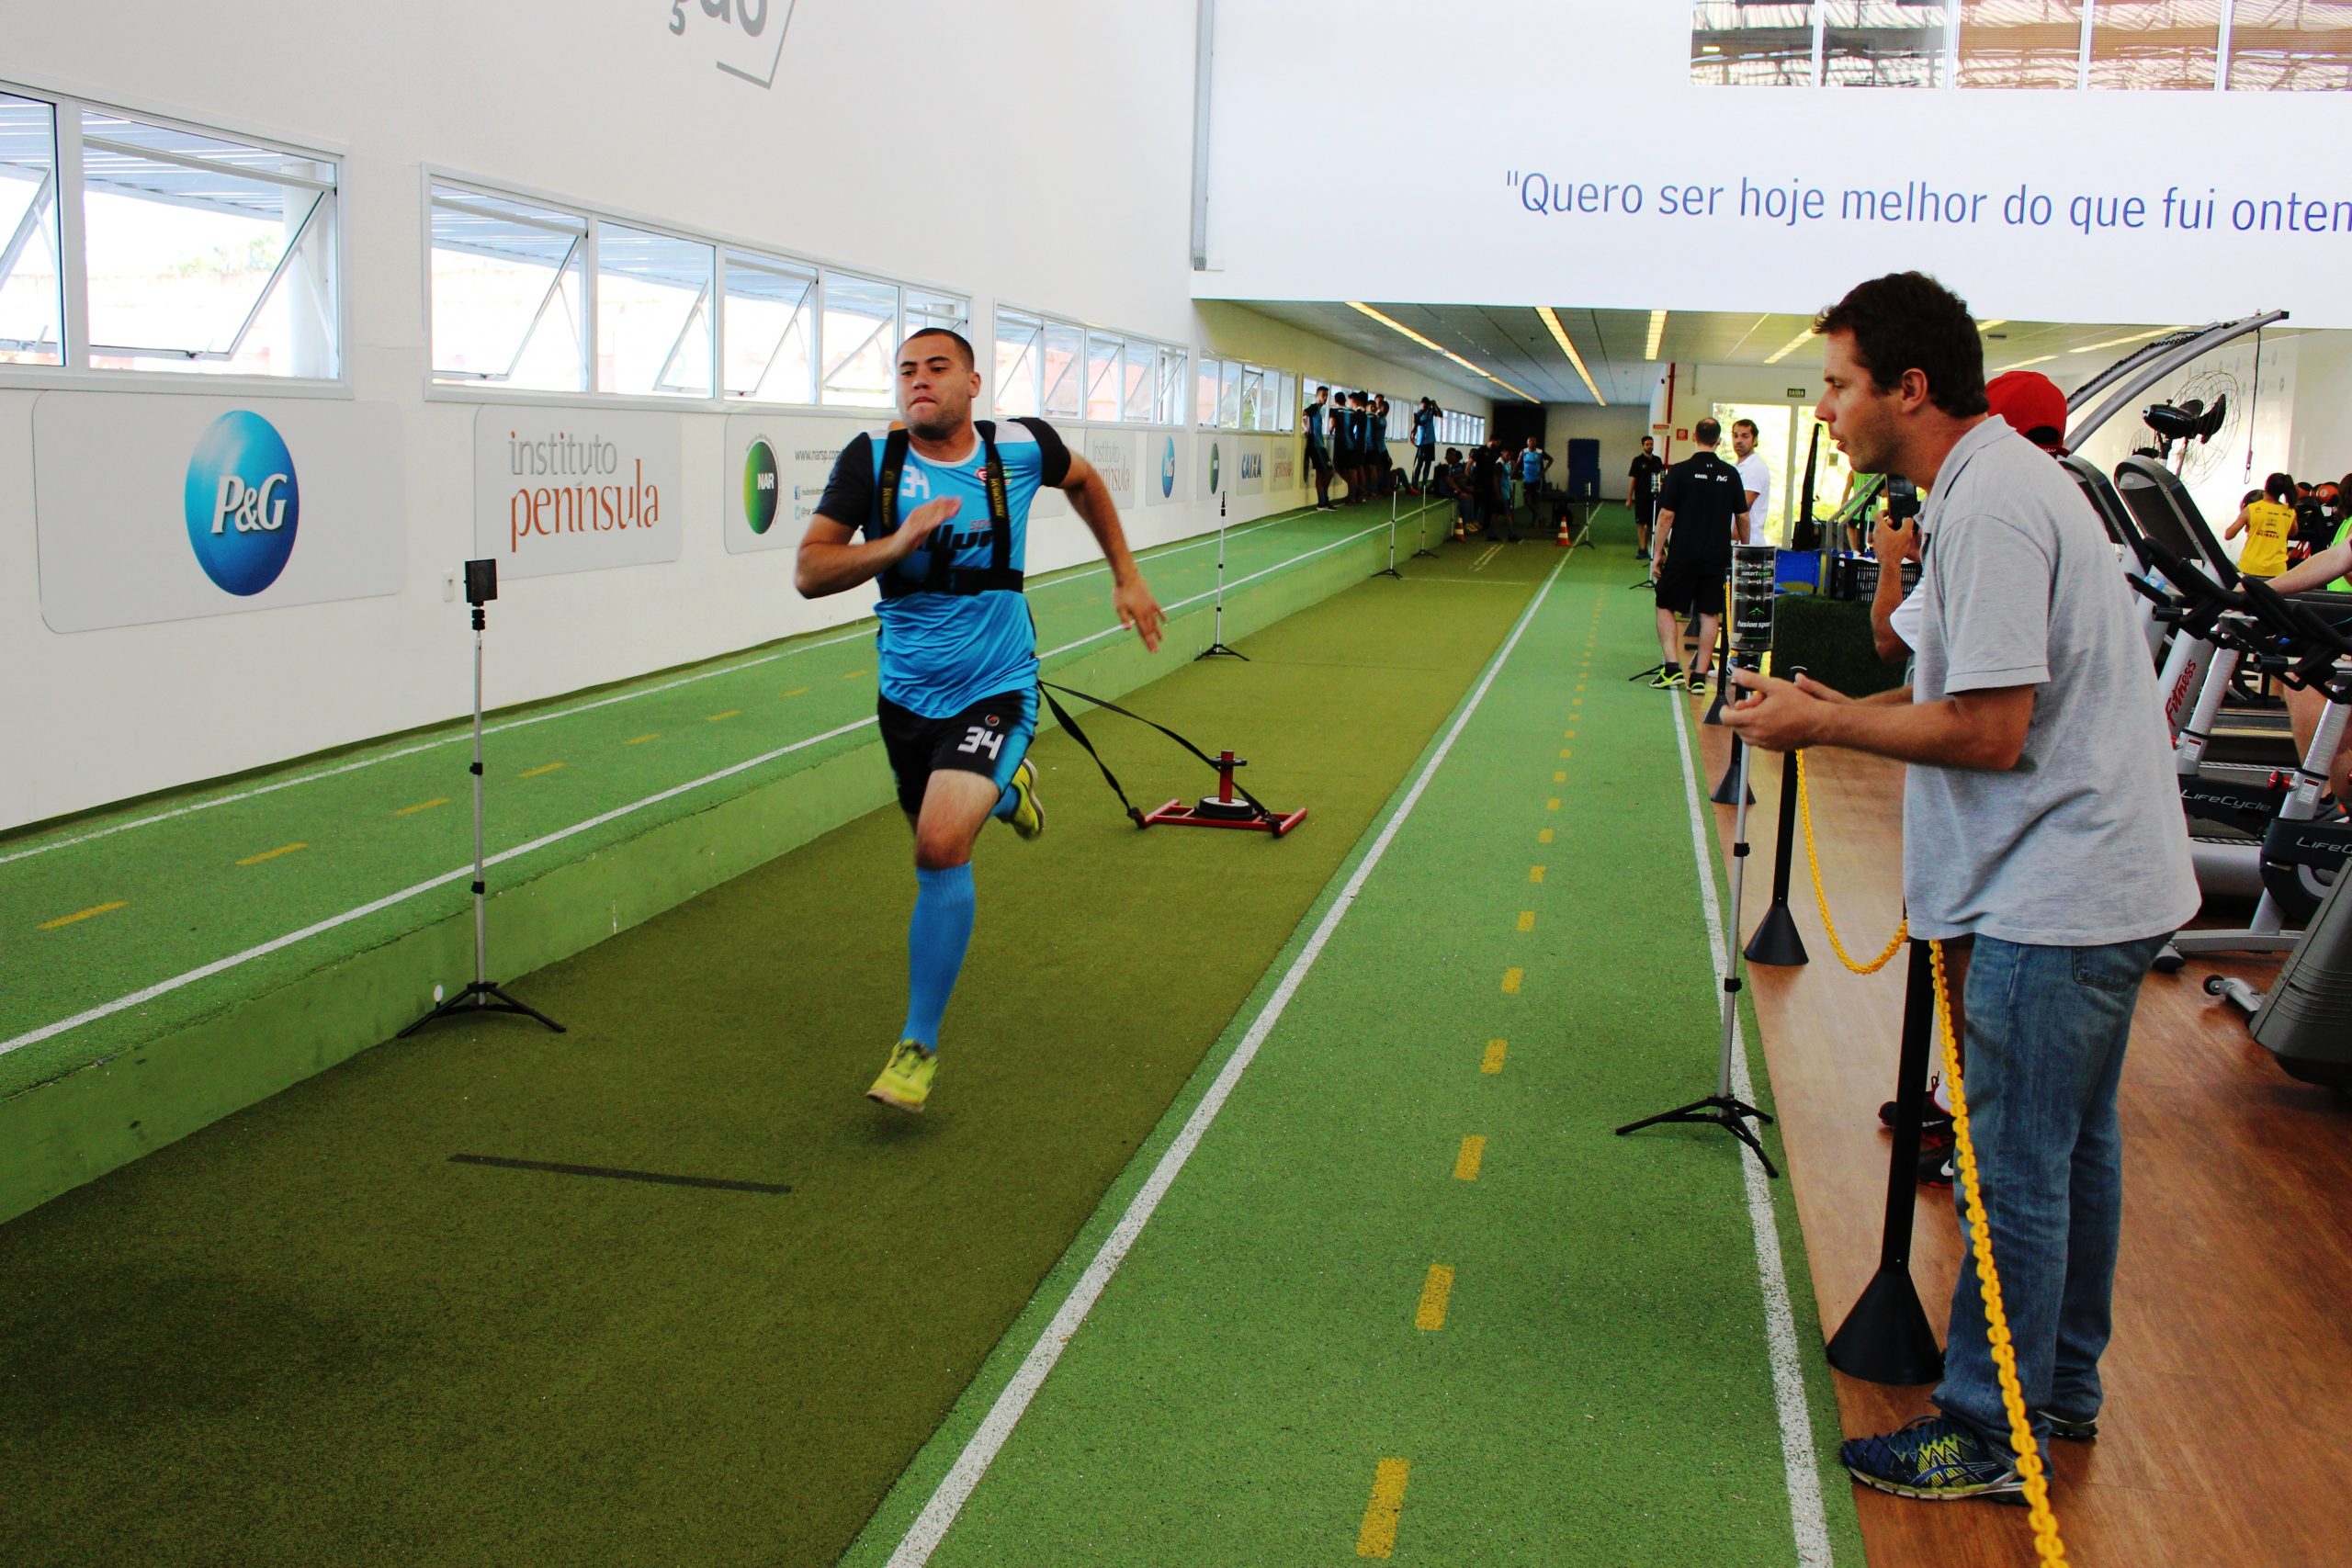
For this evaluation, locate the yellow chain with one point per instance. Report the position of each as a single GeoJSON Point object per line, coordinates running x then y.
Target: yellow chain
{"type": "Point", "coordinates": [1821, 897]}
{"type": "Point", "coordinates": [2046, 1544]}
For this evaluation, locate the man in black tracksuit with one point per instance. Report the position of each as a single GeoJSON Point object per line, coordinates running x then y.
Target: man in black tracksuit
{"type": "Point", "coordinates": [1702, 509]}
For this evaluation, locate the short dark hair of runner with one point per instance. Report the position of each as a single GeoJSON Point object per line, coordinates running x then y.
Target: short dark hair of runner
{"type": "Point", "coordinates": [1906, 321]}
{"type": "Point", "coordinates": [963, 344]}
{"type": "Point", "coordinates": [2279, 487]}
{"type": "Point", "coordinates": [1707, 432]}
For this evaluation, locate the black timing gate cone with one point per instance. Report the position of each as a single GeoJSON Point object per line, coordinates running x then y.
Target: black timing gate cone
{"type": "Point", "coordinates": [1775, 940]}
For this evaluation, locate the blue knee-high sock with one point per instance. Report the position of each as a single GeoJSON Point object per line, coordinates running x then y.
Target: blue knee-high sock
{"type": "Point", "coordinates": [936, 937]}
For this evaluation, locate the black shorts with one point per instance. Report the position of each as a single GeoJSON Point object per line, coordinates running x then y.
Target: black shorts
{"type": "Point", "coordinates": [1693, 587]}
{"type": "Point", "coordinates": [1346, 456]}
{"type": "Point", "coordinates": [990, 737]}
{"type": "Point", "coordinates": [1321, 461]}
{"type": "Point", "coordinates": [1645, 510]}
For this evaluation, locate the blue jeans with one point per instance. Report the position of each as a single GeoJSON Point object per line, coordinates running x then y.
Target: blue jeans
{"type": "Point", "coordinates": [2046, 1031]}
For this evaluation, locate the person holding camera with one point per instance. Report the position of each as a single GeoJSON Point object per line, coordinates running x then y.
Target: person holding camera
{"type": "Point", "coordinates": [2041, 847]}
{"type": "Point", "coordinates": [1424, 445]}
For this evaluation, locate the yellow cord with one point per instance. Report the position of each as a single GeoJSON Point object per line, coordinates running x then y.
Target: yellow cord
{"type": "Point", "coordinates": [2046, 1544]}
{"type": "Point", "coordinates": [1821, 897]}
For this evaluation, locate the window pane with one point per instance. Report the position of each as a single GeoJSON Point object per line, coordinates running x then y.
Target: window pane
{"type": "Point", "coordinates": [771, 350]}
{"type": "Point", "coordinates": [2291, 45]}
{"type": "Point", "coordinates": [2156, 43]}
{"type": "Point", "coordinates": [508, 290]}
{"type": "Point", "coordinates": [1228, 397]}
{"type": "Point", "coordinates": [31, 308]}
{"type": "Point", "coordinates": [1882, 44]}
{"type": "Point", "coordinates": [929, 308]}
{"type": "Point", "coordinates": [1065, 371]}
{"type": "Point", "coordinates": [653, 313]}
{"type": "Point", "coordinates": [1020, 346]}
{"type": "Point", "coordinates": [1739, 43]}
{"type": "Point", "coordinates": [1286, 403]}
{"type": "Point", "coordinates": [1204, 394]}
{"type": "Point", "coordinates": [1135, 399]}
{"type": "Point", "coordinates": [202, 254]}
{"type": "Point", "coordinates": [859, 338]}
{"type": "Point", "coordinates": [1168, 404]}
{"type": "Point", "coordinates": [2021, 43]}
{"type": "Point", "coordinates": [1105, 358]}
{"type": "Point", "coordinates": [1253, 397]}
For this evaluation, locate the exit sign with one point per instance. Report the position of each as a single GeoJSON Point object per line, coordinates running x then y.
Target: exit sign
{"type": "Point", "coordinates": [1797, 393]}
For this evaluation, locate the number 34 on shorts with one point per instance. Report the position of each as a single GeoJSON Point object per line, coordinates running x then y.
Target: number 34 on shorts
{"type": "Point", "coordinates": [988, 738]}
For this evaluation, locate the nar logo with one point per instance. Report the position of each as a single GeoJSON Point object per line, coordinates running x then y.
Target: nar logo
{"type": "Point", "coordinates": [747, 39]}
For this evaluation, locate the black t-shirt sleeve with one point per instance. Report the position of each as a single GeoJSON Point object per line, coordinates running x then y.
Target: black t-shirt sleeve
{"type": "Point", "coordinates": [1669, 492]}
{"type": "Point", "coordinates": [849, 490]}
{"type": "Point", "coordinates": [1053, 456]}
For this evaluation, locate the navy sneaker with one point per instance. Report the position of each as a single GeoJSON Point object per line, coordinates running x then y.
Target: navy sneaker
{"type": "Point", "coordinates": [2082, 1431]}
{"type": "Point", "coordinates": [1935, 1459]}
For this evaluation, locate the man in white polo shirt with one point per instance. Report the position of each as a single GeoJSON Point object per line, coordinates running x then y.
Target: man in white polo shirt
{"type": "Point", "coordinates": [1755, 476]}
{"type": "Point", "coordinates": [2042, 846]}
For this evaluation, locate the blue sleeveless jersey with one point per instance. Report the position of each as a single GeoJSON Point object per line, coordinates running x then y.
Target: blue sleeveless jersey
{"type": "Point", "coordinates": [940, 653]}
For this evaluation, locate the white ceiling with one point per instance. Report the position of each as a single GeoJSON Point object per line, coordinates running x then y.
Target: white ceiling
{"type": "Point", "coordinates": [1513, 343]}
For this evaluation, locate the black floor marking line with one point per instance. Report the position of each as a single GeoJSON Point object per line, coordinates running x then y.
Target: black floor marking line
{"type": "Point", "coordinates": [653, 1175]}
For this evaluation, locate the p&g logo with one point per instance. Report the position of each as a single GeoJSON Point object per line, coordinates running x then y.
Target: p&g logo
{"type": "Point", "coordinates": [242, 503]}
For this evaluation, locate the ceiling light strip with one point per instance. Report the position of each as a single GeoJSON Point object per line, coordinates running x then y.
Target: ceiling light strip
{"type": "Point", "coordinates": [1791, 346]}
{"type": "Point", "coordinates": [2120, 342]}
{"type": "Point", "coordinates": [1560, 336]}
{"type": "Point", "coordinates": [1399, 327]}
{"type": "Point", "coordinates": [2021, 364]}
{"type": "Point", "coordinates": [1657, 334]}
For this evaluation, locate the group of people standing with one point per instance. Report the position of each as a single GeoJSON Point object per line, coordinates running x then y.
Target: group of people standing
{"type": "Point", "coordinates": [1492, 482]}
{"type": "Point", "coordinates": [1349, 436]}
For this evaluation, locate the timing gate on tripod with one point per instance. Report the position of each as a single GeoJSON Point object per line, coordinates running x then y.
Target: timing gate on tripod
{"type": "Point", "coordinates": [1751, 639]}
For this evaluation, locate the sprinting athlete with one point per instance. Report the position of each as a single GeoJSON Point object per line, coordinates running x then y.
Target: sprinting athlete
{"type": "Point", "coordinates": [959, 652]}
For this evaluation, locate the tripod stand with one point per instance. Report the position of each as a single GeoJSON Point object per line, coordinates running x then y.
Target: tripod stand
{"type": "Point", "coordinates": [484, 994]}
{"type": "Point", "coordinates": [1422, 530]}
{"type": "Point", "coordinates": [1390, 569]}
{"type": "Point", "coordinates": [1724, 1109]}
{"type": "Point", "coordinates": [1216, 638]}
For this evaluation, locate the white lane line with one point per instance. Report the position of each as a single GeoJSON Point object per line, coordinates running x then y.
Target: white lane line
{"type": "Point", "coordinates": [1797, 1457]}
{"type": "Point", "coordinates": [501, 727]}
{"type": "Point", "coordinates": [141, 998]}
{"type": "Point", "coordinates": [931, 1527]}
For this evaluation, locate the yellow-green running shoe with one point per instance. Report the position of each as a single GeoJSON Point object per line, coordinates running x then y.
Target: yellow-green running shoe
{"type": "Point", "coordinates": [1028, 817]}
{"type": "Point", "coordinates": [905, 1082]}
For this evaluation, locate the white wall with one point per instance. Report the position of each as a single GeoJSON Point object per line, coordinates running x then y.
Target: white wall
{"type": "Point", "coordinates": [1035, 154]}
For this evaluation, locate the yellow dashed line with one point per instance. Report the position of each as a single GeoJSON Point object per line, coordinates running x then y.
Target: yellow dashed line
{"type": "Point", "coordinates": [714, 718]}
{"type": "Point", "coordinates": [1435, 1292]}
{"type": "Point", "coordinates": [1534, 874]}
{"type": "Point", "coordinates": [1512, 977]}
{"type": "Point", "coordinates": [1566, 752]}
{"type": "Point", "coordinates": [852, 674]}
{"type": "Point", "coordinates": [798, 692]}
{"type": "Point", "coordinates": [1553, 804]}
{"type": "Point", "coordinates": [1567, 735]}
{"type": "Point", "coordinates": [1559, 778]}
{"type": "Point", "coordinates": [1527, 919]}
{"type": "Point", "coordinates": [422, 805]}
{"type": "Point", "coordinates": [534, 772]}
{"type": "Point", "coordinates": [1493, 1061]}
{"type": "Point", "coordinates": [1545, 837]}
{"type": "Point", "coordinates": [1466, 1163]}
{"type": "Point", "coordinates": [1378, 1536]}
{"type": "Point", "coordinates": [641, 740]}
{"type": "Point", "coordinates": [271, 854]}
{"type": "Point", "coordinates": [1579, 685]}
{"type": "Point", "coordinates": [83, 915]}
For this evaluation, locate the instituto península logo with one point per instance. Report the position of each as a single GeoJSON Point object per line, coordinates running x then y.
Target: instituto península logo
{"type": "Point", "coordinates": [1167, 468]}
{"type": "Point", "coordinates": [759, 486]}
{"type": "Point", "coordinates": [242, 503]}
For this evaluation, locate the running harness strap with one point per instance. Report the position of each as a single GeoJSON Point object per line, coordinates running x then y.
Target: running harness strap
{"type": "Point", "coordinates": [1061, 717]}
{"type": "Point", "coordinates": [943, 575]}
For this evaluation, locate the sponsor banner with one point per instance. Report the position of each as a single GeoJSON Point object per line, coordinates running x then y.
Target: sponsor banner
{"type": "Point", "coordinates": [1281, 464]}
{"type": "Point", "coordinates": [1249, 466]}
{"type": "Point", "coordinates": [776, 466]}
{"type": "Point", "coordinates": [577, 490]}
{"type": "Point", "coordinates": [1215, 448]}
{"type": "Point", "coordinates": [1165, 466]}
{"type": "Point", "coordinates": [1113, 453]}
{"type": "Point", "coordinates": [166, 508]}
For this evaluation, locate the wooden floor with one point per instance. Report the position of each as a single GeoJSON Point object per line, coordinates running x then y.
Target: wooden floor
{"type": "Point", "coordinates": [2227, 1436]}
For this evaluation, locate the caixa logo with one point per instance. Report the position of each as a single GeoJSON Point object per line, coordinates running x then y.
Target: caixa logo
{"type": "Point", "coordinates": [242, 502]}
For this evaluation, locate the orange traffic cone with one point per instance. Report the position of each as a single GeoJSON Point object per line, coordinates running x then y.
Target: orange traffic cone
{"type": "Point", "coordinates": [1563, 540]}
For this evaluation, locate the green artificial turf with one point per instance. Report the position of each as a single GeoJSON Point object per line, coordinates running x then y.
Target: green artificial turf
{"type": "Point", "coordinates": [304, 1335]}
{"type": "Point", "coordinates": [1600, 1391]}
